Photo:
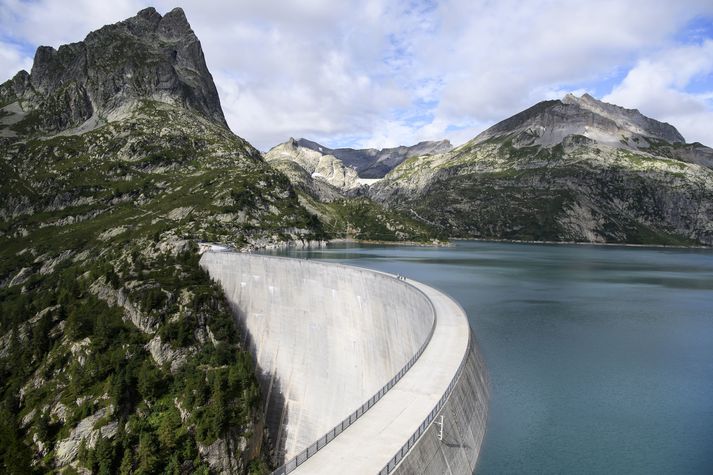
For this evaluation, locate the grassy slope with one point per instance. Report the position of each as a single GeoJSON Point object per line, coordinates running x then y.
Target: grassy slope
{"type": "Point", "coordinates": [363, 219]}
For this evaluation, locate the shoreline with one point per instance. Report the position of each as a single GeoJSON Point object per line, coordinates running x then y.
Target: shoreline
{"type": "Point", "coordinates": [452, 243]}
{"type": "Point", "coordinates": [581, 243]}
{"type": "Point", "coordinates": [391, 243]}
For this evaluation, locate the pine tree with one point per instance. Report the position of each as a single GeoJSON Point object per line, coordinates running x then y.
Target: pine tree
{"type": "Point", "coordinates": [83, 454]}
{"type": "Point", "coordinates": [103, 456]}
{"type": "Point", "coordinates": [173, 467]}
{"type": "Point", "coordinates": [149, 381]}
{"type": "Point", "coordinates": [42, 426]}
{"type": "Point", "coordinates": [15, 456]}
{"type": "Point", "coordinates": [40, 336]}
{"type": "Point", "coordinates": [217, 408]}
{"type": "Point", "coordinates": [127, 462]}
{"type": "Point", "coordinates": [168, 429]}
{"type": "Point", "coordinates": [147, 454]}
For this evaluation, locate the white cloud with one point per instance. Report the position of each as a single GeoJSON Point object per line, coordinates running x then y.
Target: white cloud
{"type": "Point", "coordinates": [319, 72]}
{"type": "Point", "coordinates": [657, 87]}
{"type": "Point", "coordinates": [57, 22]}
{"type": "Point", "coordinates": [496, 56]}
{"type": "Point", "coordinates": [12, 59]}
{"type": "Point", "coordinates": [381, 72]}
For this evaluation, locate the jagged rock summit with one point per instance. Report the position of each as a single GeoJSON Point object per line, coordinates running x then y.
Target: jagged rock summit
{"type": "Point", "coordinates": [375, 163]}
{"type": "Point", "coordinates": [343, 170]}
{"type": "Point", "coordinates": [549, 122]}
{"type": "Point", "coordinates": [100, 79]}
{"type": "Point", "coordinates": [317, 161]}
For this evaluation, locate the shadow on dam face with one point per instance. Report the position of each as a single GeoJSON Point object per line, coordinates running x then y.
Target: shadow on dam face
{"type": "Point", "coordinates": [275, 409]}
{"type": "Point", "coordinates": [326, 338]}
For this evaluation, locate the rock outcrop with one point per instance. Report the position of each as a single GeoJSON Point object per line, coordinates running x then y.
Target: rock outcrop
{"type": "Point", "coordinates": [549, 122]}
{"type": "Point", "coordinates": [319, 165]}
{"type": "Point", "coordinates": [148, 56]}
{"type": "Point", "coordinates": [375, 163]}
{"type": "Point", "coordinates": [85, 431]}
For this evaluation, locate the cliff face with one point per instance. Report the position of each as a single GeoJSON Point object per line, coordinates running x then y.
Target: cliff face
{"type": "Point", "coordinates": [319, 164]}
{"type": "Point", "coordinates": [375, 163]}
{"type": "Point", "coordinates": [571, 170]}
{"type": "Point", "coordinates": [148, 56]}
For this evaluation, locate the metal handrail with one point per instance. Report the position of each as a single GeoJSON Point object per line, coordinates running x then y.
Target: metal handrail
{"type": "Point", "coordinates": [401, 453]}
{"type": "Point", "coordinates": [301, 457]}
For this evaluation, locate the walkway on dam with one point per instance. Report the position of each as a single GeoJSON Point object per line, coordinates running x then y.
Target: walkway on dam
{"type": "Point", "coordinates": [370, 443]}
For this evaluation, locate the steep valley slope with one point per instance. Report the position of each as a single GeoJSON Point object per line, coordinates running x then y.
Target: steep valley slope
{"type": "Point", "coordinates": [572, 170]}
{"type": "Point", "coordinates": [335, 193]}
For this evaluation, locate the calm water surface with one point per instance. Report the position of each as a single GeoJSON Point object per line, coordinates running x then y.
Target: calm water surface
{"type": "Point", "coordinates": [600, 358]}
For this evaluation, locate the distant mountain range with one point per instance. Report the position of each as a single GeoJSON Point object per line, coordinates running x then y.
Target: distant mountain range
{"type": "Point", "coordinates": [375, 163]}
{"type": "Point", "coordinates": [575, 169]}
{"type": "Point", "coordinates": [345, 168]}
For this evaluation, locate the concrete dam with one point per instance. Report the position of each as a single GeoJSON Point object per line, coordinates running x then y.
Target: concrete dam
{"type": "Point", "coordinates": [361, 372]}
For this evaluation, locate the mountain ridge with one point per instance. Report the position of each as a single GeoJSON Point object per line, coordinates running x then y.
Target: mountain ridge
{"type": "Point", "coordinates": [575, 169]}
{"type": "Point", "coordinates": [96, 80]}
{"type": "Point", "coordinates": [375, 163]}
{"type": "Point", "coordinates": [585, 116]}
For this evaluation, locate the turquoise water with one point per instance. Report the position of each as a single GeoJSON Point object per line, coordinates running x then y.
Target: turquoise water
{"type": "Point", "coordinates": [600, 358]}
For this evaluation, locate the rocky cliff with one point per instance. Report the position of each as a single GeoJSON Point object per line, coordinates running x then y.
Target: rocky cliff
{"type": "Point", "coordinates": [319, 164]}
{"type": "Point", "coordinates": [100, 79]}
{"type": "Point", "coordinates": [571, 170]}
{"type": "Point", "coordinates": [375, 163]}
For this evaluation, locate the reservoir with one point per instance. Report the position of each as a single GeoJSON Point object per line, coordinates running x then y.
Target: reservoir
{"type": "Point", "coordinates": [600, 357]}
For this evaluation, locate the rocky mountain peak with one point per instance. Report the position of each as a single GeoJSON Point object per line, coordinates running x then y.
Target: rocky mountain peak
{"type": "Point", "coordinates": [374, 163]}
{"type": "Point", "coordinates": [548, 123]}
{"type": "Point", "coordinates": [146, 57]}
{"type": "Point", "coordinates": [570, 98]}
{"type": "Point", "coordinates": [148, 15]}
{"type": "Point", "coordinates": [315, 160]}
{"type": "Point", "coordinates": [629, 119]}
{"type": "Point", "coordinates": [303, 142]}
{"type": "Point", "coordinates": [175, 25]}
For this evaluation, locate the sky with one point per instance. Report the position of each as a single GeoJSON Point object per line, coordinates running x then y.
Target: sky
{"type": "Point", "coordinates": [379, 73]}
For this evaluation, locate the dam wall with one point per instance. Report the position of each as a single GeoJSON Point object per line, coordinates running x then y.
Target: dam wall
{"type": "Point", "coordinates": [454, 449]}
{"type": "Point", "coordinates": [325, 337]}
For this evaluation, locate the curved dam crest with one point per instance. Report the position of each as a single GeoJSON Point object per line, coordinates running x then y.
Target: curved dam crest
{"type": "Point", "coordinates": [327, 337]}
